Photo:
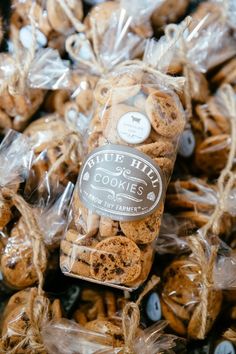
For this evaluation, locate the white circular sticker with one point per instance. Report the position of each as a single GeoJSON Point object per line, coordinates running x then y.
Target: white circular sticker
{"type": "Point", "coordinates": [134, 127]}
{"type": "Point", "coordinates": [187, 143]}
{"type": "Point", "coordinates": [153, 307]}
{"type": "Point", "coordinates": [26, 37]}
{"type": "Point", "coordinates": [224, 347]}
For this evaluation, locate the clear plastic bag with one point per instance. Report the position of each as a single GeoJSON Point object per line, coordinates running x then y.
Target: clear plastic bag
{"type": "Point", "coordinates": [141, 12]}
{"type": "Point", "coordinates": [140, 102]}
{"type": "Point", "coordinates": [16, 157]}
{"type": "Point", "coordinates": [70, 338]}
{"type": "Point", "coordinates": [215, 141]}
{"type": "Point", "coordinates": [102, 52]}
{"type": "Point", "coordinates": [35, 233]}
{"type": "Point", "coordinates": [59, 152]}
{"type": "Point", "coordinates": [193, 201]}
{"type": "Point", "coordinates": [191, 300]}
{"type": "Point", "coordinates": [74, 338]}
{"type": "Point", "coordinates": [48, 71]}
{"type": "Point", "coordinates": [24, 318]}
{"type": "Point", "coordinates": [214, 43]}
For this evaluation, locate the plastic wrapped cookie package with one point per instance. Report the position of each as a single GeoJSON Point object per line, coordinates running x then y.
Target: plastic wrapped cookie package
{"type": "Point", "coordinates": [22, 239]}
{"type": "Point", "coordinates": [118, 201]}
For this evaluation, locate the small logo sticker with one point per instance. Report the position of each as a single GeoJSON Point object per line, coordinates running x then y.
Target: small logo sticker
{"type": "Point", "coordinates": [134, 127]}
{"type": "Point", "coordinates": [187, 143]}
{"type": "Point", "coordinates": [224, 347]}
{"type": "Point", "coordinates": [120, 182]}
{"type": "Point", "coordinates": [153, 307]}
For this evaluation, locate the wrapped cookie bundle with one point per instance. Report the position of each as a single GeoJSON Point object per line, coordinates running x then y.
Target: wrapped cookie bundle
{"type": "Point", "coordinates": [109, 333]}
{"type": "Point", "coordinates": [118, 202]}
{"type": "Point", "coordinates": [192, 202]}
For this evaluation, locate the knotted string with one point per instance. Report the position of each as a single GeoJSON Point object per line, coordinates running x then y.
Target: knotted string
{"type": "Point", "coordinates": [230, 334]}
{"type": "Point", "coordinates": [34, 232]}
{"type": "Point", "coordinates": [16, 83]}
{"type": "Point", "coordinates": [39, 305]}
{"type": "Point", "coordinates": [207, 267]}
{"type": "Point", "coordinates": [74, 42]}
{"type": "Point", "coordinates": [171, 32]}
{"type": "Point", "coordinates": [38, 312]}
{"type": "Point", "coordinates": [131, 317]}
{"type": "Point", "coordinates": [227, 177]}
{"type": "Point", "coordinates": [224, 185]}
{"type": "Point", "coordinates": [78, 25]}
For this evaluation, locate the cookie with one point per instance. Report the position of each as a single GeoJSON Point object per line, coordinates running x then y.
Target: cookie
{"type": "Point", "coordinates": [5, 121]}
{"type": "Point", "coordinates": [116, 259]}
{"type": "Point", "coordinates": [100, 15]}
{"type": "Point", "coordinates": [109, 328]}
{"type": "Point", "coordinates": [57, 17]}
{"type": "Point", "coordinates": [214, 302]}
{"type": "Point", "coordinates": [144, 230]}
{"type": "Point", "coordinates": [17, 326]}
{"type": "Point", "coordinates": [181, 282]}
{"type": "Point", "coordinates": [160, 148]}
{"type": "Point", "coordinates": [46, 130]}
{"type": "Point", "coordinates": [177, 309]}
{"type": "Point", "coordinates": [85, 221]}
{"type": "Point", "coordinates": [174, 322]}
{"type": "Point", "coordinates": [108, 227]}
{"type": "Point", "coordinates": [56, 100]}
{"type": "Point", "coordinates": [165, 114]}
{"type": "Point", "coordinates": [191, 194]}
{"type": "Point", "coordinates": [168, 12]}
{"type": "Point", "coordinates": [17, 260]}
{"type": "Point", "coordinates": [117, 88]}
{"type": "Point", "coordinates": [5, 212]}
{"type": "Point", "coordinates": [25, 106]}
{"type": "Point", "coordinates": [199, 86]}
{"type": "Point", "coordinates": [227, 74]}
{"type": "Point", "coordinates": [69, 265]}
{"type": "Point", "coordinates": [147, 255]}
{"type": "Point", "coordinates": [166, 165]}
{"type": "Point", "coordinates": [211, 155]}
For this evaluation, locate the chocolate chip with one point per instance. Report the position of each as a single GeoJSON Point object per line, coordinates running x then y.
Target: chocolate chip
{"type": "Point", "coordinates": [12, 263]}
{"type": "Point", "coordinates": [119, 271]}
{"type": "Point", "coordinates": [112, 258]}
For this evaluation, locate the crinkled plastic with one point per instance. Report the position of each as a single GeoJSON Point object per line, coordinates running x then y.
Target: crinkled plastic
{"type": "Point", "coordinates": [129, 91]}
{"type": "Point", "coordinates": [25, 316]}
{"type": "Point", "coordinates": [191, 300]}
{"type": "Point", "coordinates": [102, 53]}
{"type": "Point", "coordinates": [71, 337]}
{"type": "Point", "coordinates": [53, 218]}
{"type": "Point", "coordinates": [193, 202]}
{"type": "Point", "coordinates": [38, 226]}
{"type": "Point", "coordinates": [140, 10]}
{"type": "Point", "coordinates": [16, 156]}
{"type": "Point", "coordinates": [48, 71]}
{"type": "Point", "coordinates": [214, 43]}
{"type": "Point", "coordinates": [66, 337]}
{"type": "Point", "coordinates": [55, 144]}
{"type": "Point", "coordinates": [213, 146]}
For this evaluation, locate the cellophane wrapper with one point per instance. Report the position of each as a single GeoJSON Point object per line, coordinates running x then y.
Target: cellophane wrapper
{"type": "Point", "coordinates": [104, 247]}
{"type": "Point", "coordinates": [76, 338]}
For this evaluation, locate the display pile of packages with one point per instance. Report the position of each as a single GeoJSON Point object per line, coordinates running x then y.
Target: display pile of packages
{"type": "Point", "coordinates": [118, 177]}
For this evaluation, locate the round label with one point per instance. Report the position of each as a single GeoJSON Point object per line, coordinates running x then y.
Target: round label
{"type": "Point", "coordinates": [134, 127]}
{"type": "Point", "coordinates": [153, 307]}
{"type": "Point", "coordinates": [26, 37]}
{"type": "Point", "coordinates": [120, 182]}
{"type": "Point", "coordinates": [224, 347]}
{"type": "Point", "coordinates": [187, 143]}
